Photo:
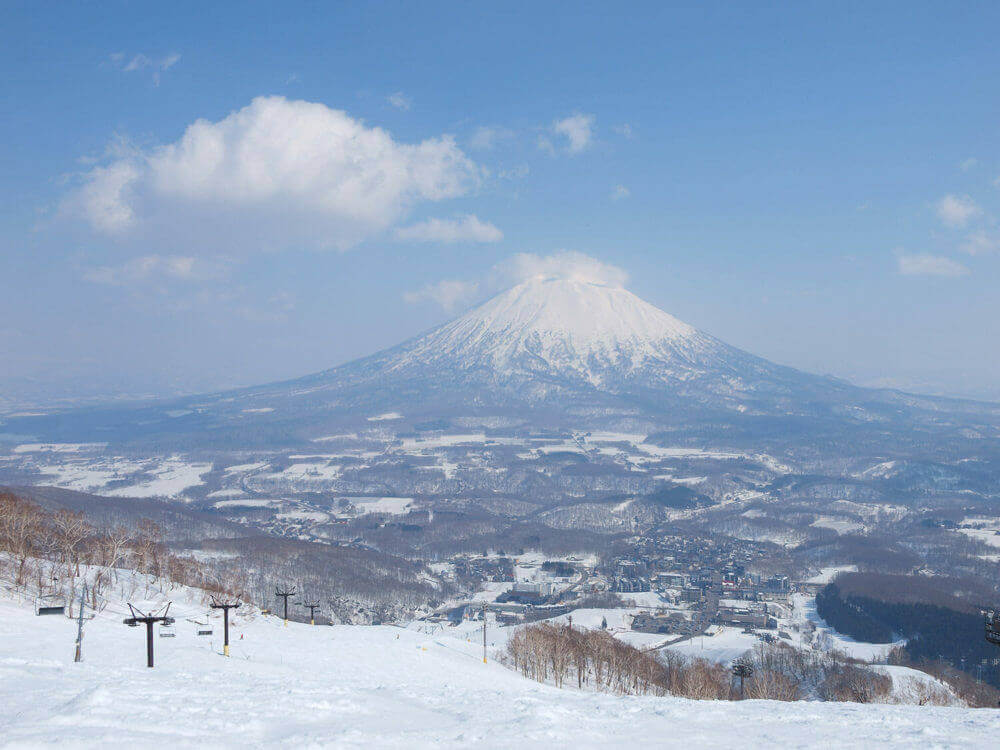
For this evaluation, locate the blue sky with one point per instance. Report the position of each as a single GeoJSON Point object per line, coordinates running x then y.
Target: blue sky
{"type": "Point", "coordinates": [197, 198]}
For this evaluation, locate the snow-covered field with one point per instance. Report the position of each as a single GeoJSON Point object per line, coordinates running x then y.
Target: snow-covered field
{"type": "Point", "coordinates": [804, 609]}
{"type": "Point", "coordinates": [986, 530]}
{"type": "Point", "coordinates": [384, 687]}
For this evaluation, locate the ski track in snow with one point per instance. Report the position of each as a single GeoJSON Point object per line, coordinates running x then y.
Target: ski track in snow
{"type": "Point", "coordinates": [381, 687]}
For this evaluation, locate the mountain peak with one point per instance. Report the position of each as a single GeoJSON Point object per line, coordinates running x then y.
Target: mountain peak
{"type": "Point", "coordinates": [558, 325]}
{"type": "Point", "coordinates": [591, 315]}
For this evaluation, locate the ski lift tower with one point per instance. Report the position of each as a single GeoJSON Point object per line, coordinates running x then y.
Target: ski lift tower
{"type": "Point", "coordinates": [284, 596]}
{"type": "Point", "coordinates": [148, 619]}
{"type": "Point", "coordinates": [312, 607]}
{"type": "Point", "coordinates": [225, 607]}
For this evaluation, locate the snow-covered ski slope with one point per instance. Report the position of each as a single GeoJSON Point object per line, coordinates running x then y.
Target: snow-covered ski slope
{"type": "Point", "coordinates": [381, 687]}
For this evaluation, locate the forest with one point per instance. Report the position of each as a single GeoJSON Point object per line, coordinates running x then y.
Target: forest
{"type": "Point", "coordinates": [939, 618]}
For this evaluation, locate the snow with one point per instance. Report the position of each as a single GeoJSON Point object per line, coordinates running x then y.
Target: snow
{"type": "Point", "coordinates": [169, 479]}
{"type": "Point", "coordinates": [387, 417]}
{"type": "Point", "coordinates": [569, 325]}
{"type": "Point", "coordinates": [226, 493]}
{"type": "Point", "coordinates": [906, 683]}
{"type": "Point", "coordinates": [57, 447]}
{"type": "Point", "coordinates": [828, 639]}
{"type": "Point", "coordinates": [882, 470]}
{"type": "Point", "coordinates": [985, 530]}
{"type": "Point", "coordinates": [415, 445]}
{"type": "Point", "coordinates": [249, 502]}
{"type": "Point", "coordinates": [827, 574]}
{"type": "Point", "coordinates": [394, 506]}
{"type": "Point", "coordinates": [385, 687]}
{"type": "Point", "coordinates": [689, 481]}
{"type": "Point", "coordinates": [836, 523]}
{"type": "Point", "coordinates": [244, 468]}
{"type": "Point", "coordinates": [720, 644]}
{"type": "Point", "coordinates": [317, 471]}
{"type": "Point", "coordinates": [490, 590]}
{"type": "Point", "coordinates": [591, 619]}
{"type": "Point", "coordinates": [155, 477]}
{"type": "Point", "coordinates": [304, 515]}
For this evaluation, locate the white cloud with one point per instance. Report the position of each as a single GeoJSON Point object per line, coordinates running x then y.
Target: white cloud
{"type": "Point", "coordinates": [486, 138]}
{"type": "Point", "coordinates": [466, 228]}
{"type": "Point", "coordinates": [981, 243]}
{"type": "Point", "coordinates": [141, 62]}
{"type": "Point", "coordinates": [624, 130]}
{"type": "Point", "coordinates": [578, 129]}
{"type": "Point", "coordinates": [929, 265]}
{"type": "Point", "coordinates": [956, 210]}
{"type": "Point", "coordinates": [278, 173]}
{"type": "Point", "coordinates": [154, 268]}
{"type": "Point", "coordinates": [565, 264]}
{"type": "Point", "coordinates": [106, 197]}
{"type": "Point", "coordinates": [968, 164]}
{"type": "Point", "coordinates": [620, 192]}
{"type": "Point", "coordinates": [450, 294]}
{"type": "Point", "coordinates": [399, 100]}
{"type": "Point", "coordinates": [517, 172]}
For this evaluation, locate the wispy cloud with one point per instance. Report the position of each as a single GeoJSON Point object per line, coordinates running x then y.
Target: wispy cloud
{"type": "Point", "coordinates": [154, 268]}
{"type": "Point", "coordinates": [142, 62]}
{"type": "Point", "coordinates": [624, 130]}
{"type": "Point", "coordinates": [957, 210]}
{"type": "Point", "coordinates": [517, 172]}
{"type": "Point", "coordinates": [969, 164]}
{"type": "Point", "coordinates": [981, 243]}
{"type": "Point", "coordinates": [929, 265]}
{"type": "Point", "coordinates": [620, 192]}
{"type": "Point", "coordinates": [577, 129]}
{"type": "Point", "coordinates": [466, 228]}
{"type": "Point", "coordinates": [489, 137]}
{"type": "Point", "coordinates": [450, 294]}
{"type": "Point", "coordinates": [400, 101]}
{"type": "Point", "coordinates": [564, 264]}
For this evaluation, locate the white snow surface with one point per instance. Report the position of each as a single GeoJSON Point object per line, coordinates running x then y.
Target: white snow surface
{"type": "Point", "coordinates": [384, 687]}
{"type": "Point", "coordinates": [827, 574]}
{"type": "Point", "coordinates": [561, 324]}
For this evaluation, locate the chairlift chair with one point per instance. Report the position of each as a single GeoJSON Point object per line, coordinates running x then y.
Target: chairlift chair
{"type": "Point", "coordinates": [50, 604]}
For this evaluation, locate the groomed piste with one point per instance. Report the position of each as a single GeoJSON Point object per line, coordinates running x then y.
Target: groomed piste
{"type": "Point", "coordinates": [385, 687]}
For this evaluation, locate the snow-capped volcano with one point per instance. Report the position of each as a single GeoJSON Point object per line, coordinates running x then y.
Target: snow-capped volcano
{"type": "Point", "coordinates": [552, 336]}
{"type": "Point", "coordinates": [559, 325]}
{"type": "Point", "coordinates": [549, 352]}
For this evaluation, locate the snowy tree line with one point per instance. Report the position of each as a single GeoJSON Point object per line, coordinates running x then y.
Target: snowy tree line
{"type": "Point", "coordinates": [49, 553]}
{"type": "Point", "coordinates": [594, 659]}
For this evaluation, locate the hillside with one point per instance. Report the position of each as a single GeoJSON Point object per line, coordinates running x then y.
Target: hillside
{"type": "Point", "coordinates": [350, 686]}
{"type": "Point", "coordinates": [550, 353]}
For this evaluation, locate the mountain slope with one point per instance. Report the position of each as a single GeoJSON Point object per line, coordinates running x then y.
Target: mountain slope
{"type": "Point", "coordinates": [386, 687]}
{"type": "Point", "coordinates": [552, 338]}
{"type": "Point", "coordinates": [552, 352]}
